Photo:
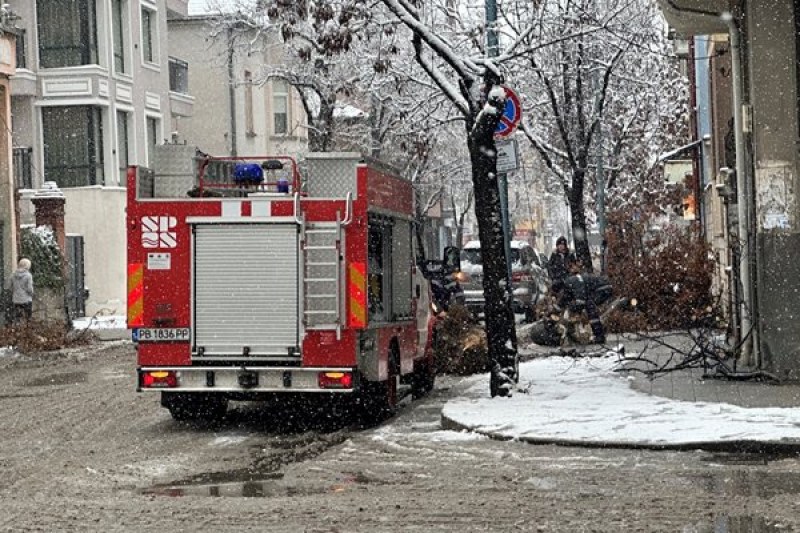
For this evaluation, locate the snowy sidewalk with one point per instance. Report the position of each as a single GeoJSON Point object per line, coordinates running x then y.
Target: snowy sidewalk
{"type": "Point", "coordinates": [105, 327]}
{"type": "Point", "coordinates": [583, 402]}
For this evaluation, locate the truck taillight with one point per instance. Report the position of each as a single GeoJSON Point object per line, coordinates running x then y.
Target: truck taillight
{"type": "Point", "coordinates": [159, 379]}
{"type": "Point", "coordinates": [520, 276]}
{"type": "Point", "coordinates": [335, 380]}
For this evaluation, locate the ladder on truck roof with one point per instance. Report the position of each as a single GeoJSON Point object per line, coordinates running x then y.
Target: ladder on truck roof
{"type": "Point", "coordinates": [323, 261]}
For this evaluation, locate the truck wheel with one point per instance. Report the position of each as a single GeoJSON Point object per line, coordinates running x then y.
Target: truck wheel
{"type": "Point", "coordinates": [423, 379]}
{"type": "Point", "coordinates": [379, 399]}
{"type": "Point", "coordinates": [197, 407]}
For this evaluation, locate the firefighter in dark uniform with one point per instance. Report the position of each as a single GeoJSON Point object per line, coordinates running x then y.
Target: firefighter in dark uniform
{"type": "Point", "coordinates": [577, 296]}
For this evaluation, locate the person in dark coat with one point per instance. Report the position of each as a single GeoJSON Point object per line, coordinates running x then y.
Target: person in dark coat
{"type": "Point", "coordinates": [557, 266]}
{"type": "Point", "coordinates": [577, 296]}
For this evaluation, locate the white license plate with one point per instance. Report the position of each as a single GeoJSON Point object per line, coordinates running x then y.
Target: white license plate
{"type": "Point", "coordinates": [162, 334]}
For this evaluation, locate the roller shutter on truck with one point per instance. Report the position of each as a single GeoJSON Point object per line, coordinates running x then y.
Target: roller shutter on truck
{"type": "Point", "coordinates": [246, 290]}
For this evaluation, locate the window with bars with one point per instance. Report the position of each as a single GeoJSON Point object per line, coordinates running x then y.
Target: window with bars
{"type": "Point", "coordinates": [67, 33]}
{"type": "Point", "coordinates": [73, 145]}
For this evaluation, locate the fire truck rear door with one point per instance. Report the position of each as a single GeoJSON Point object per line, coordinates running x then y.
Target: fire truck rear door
{"type": "Point", "coordinates": [246, 290]}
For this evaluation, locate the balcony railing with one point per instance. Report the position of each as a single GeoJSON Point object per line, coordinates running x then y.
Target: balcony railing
{"type": "Point", "coordinates": [178, 76]}
{"type": "Point", "coordinates": [23, 167]}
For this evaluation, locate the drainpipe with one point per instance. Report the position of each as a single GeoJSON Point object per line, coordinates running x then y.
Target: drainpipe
{"type": "Point", "coordinates": [749, 346]}
{"type": "Point", "coordinates": [232, 92]}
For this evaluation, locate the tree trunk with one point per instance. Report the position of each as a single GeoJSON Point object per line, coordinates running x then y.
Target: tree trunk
{"type": "Point", "coordinates": [578, 220]}
{"type": "Point", "coordinates": [500, 331]}
{"type": "Point", "coordinates": [320, 131]}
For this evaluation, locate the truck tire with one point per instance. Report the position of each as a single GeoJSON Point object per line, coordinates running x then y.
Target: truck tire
{"type": "Point", "coordinates": [423, 379]}
{"type": "Point", "coordinates": [378, 400]}
{"type": "Point", "coordinates": [195, 407]}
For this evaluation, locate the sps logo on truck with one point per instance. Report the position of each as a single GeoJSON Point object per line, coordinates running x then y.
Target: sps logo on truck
{"type": "Point", "coordinates": [157, 232]}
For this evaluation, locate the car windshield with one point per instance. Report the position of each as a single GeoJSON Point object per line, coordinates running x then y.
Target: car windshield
{"type": "Point", "coordinates": [473, 256]}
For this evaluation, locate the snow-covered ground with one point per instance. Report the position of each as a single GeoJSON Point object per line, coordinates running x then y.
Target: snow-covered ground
{"type": "Point", "coordinates": [101, 322]}
{"type": "Point", "coordinates": [584, 401]}
{"type": "Point", "coordinates": [105, 328]}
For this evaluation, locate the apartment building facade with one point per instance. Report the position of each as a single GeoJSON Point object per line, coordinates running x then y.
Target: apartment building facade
{"type": "Point", "coordinates": [755, 60]}
{"type": "Point", "coordinates": [8, 216]}
{"type": "Point", "coordinates": [94, 91]}
{"type": "Point", "coordinates": [239, 111]}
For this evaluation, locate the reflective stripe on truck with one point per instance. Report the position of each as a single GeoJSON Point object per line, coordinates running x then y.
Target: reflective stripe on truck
{"type": "Point", "coordinates": [135, 294]}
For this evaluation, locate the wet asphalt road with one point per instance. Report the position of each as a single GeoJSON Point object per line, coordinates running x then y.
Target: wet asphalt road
{"type": "Point", "coordinates": [80, 450]}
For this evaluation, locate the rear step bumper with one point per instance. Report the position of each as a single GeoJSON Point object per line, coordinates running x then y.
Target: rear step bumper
{"type": "Point", "coordinates": [248, 379]}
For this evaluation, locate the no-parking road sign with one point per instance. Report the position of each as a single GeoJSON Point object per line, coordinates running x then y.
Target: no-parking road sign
{"type": "Point", "coordinates": [512, 114]}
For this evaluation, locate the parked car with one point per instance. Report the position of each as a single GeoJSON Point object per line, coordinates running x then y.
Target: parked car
{"type": "Point", "coordinates": [529, 281]}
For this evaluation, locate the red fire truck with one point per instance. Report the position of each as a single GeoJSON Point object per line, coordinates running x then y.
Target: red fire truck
{"type": "Point", "coordinates": [247, 281]}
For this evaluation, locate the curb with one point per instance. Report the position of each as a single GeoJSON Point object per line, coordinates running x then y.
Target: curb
{"type": "Point", "coordinates": [789, 447]}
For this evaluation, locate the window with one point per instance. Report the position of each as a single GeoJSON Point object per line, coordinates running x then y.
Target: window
{"type": "Point", "coordinates": [67, 33]}
{"type": "Point", "coordinates": [379, 268]}
{"type": "Point", "coordinates": [248, 103]}
{"type": "Point", "coordinates": [148, 35]}
{"type": "Point", "coordinates": [152, 139]}
{"type": "Point", "coordinates": [73, 145]}
{"type": "Point", "coordinates": [178, 76]}
{"type": "Point", "coordinates": [122, 144]}
{"type": "Point", "coordinates": [117, 11]}
{"type": "Point", "coordinates": [280, 107]}
{"type": "Point", "coordinates": [22, 56]}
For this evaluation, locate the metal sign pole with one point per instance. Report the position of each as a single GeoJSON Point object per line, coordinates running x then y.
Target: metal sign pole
{"type": "Point", "coordinates": [502, 181]}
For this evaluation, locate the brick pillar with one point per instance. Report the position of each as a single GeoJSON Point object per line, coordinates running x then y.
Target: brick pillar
{"type": "Point", "coordinates": [49, 204]}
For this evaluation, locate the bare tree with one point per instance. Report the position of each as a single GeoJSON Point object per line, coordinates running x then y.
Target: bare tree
{"type": "Point", "coordinates": [589, 72]}
{"type": "Point", "coordinates": [448, 45]}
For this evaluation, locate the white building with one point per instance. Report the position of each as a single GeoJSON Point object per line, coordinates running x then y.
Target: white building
{"type": "Point", "coordinates": [238, 113]}
{"type": "Point", "coordinates": [94, 91]}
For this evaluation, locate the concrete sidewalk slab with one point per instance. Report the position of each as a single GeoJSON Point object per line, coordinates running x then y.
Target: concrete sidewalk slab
{"type": "Point", "coordinates": [585, 402]}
